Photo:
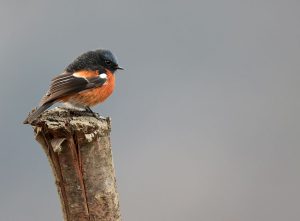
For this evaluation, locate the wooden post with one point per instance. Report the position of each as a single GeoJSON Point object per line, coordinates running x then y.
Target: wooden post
{"type": "Point", "coordinates": [79, 151]}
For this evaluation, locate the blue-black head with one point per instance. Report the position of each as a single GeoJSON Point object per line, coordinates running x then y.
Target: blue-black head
{"type": "Point", "coordinates": [93, 60]}
{"type": "Point", "coordinates": [108, 60]}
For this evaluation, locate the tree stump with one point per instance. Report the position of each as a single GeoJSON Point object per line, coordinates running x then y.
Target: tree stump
{"type": "Point", "coordinates": [79, 151]}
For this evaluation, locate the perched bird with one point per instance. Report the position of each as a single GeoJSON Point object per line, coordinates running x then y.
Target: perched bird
{"type": "Point", "coordinates": [87, 81]}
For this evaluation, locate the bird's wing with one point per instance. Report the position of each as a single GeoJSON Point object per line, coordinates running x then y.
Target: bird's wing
{"type": "Point", "coordinates": [68, 83]}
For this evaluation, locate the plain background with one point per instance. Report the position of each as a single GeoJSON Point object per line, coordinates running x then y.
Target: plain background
{"type": "Point", "coordinates": [205, 118]}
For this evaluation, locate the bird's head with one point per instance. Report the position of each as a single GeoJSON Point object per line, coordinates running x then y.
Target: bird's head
{"type": "Point", "coordinates": [108, 60]}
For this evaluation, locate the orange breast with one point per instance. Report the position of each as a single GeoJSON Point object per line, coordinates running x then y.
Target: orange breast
{"type": "Point", "coordinates": [94, 96]}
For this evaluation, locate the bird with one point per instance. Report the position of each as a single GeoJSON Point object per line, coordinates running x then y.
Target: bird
{"type": "Point", "coordinates": [87, 81]}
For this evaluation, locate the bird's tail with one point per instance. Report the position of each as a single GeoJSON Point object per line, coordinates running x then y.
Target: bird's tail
{"type": "Point", "coordinates": [32, 116]}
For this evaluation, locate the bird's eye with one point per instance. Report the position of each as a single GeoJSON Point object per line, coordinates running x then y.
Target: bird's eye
{"type": "Point", "coordinates": [108, 62]}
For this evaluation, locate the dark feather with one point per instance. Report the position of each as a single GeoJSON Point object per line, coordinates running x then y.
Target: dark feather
{"type": "Point", "coordinates": [66, 84]}
{"type": "Point", "coordinates": [32, 116]}
{"type": "Point", "coordinates": [63, 85]}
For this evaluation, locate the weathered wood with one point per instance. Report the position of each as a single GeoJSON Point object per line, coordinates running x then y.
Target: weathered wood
{"type": "Point", "coordinates": [79, 151]}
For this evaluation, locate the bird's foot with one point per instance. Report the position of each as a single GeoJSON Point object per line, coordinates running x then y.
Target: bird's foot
{"type": "Point", "coordinates": [96, 115]}
{"type": "Point", "coordinates": [87, 111]}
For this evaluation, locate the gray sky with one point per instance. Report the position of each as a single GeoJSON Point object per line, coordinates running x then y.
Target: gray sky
{"type": "Point", "coordinates": [205, 117]}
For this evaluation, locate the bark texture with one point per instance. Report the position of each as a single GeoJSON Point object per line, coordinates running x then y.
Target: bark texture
{"type": "Point", "coordinates": [79, 151]}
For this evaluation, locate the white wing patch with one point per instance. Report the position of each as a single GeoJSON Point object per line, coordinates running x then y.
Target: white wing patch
{"type": "Point", "coordinates": [103, 76]}
{"type": "Point", "coordinates": [79, 76]}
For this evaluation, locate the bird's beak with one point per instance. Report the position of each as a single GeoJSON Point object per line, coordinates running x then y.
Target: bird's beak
{"type": "Point", "coordinates": [120, 68]}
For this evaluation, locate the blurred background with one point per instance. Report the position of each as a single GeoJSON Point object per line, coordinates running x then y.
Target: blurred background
{"type": "Point", "coordinates": [205, 118]}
